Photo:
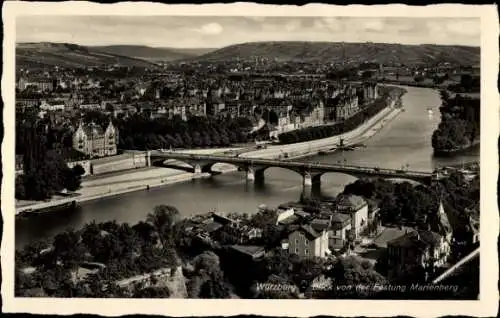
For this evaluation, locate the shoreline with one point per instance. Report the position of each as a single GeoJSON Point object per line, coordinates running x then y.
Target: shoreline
{"type": "Point", "coordinates": [443, 153]}
{"type": "Point", "coordinates": [309, 148]}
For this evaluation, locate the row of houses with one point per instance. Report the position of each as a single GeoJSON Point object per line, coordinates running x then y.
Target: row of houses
{"type": "Point", "coordinates": [340, 229]}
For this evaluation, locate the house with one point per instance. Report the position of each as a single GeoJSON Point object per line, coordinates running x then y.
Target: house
{"type": "Point", "coordinates": [145, 280]}
{"type": "Point", "coordinates": [307, 242]}
{"type": "Point", "coordinates": [92, 106]}
{"type": "Point", "coordinates": [340, 227]}
{"type": "Point", "coordinates": [248, 252]}
{"type": "Point", "coordinates": [93, 141]}
{"type": "Point", "coordinates": [388, 234]}
{"type": "Point", "coordinates": [474, 230]}
{"type": "Point", "coordinates": [283, 212]}
{"type": "Point", "coordinates": [357, 208]}
{"type": "Point", "coordinates": [48, 107]}
{"type": "Point", "coordinates": [415, 251]}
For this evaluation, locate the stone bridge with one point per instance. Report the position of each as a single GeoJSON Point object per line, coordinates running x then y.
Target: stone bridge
{"type": "Point", "coordinates": [255, 167]}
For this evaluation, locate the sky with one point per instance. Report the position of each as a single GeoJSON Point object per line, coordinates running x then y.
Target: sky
{"type": "Point", "coordinates": [216, 32]}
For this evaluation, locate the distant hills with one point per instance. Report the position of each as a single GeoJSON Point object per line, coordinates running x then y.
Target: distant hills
{"type": "Point", "coordinates": [72, 55]}
{"type": "Point", "coordinates": [69, 55]}
{"type": "Point", "coordinates": [349, 52]}
{"type": "Point", "coordinates": [153, 54]}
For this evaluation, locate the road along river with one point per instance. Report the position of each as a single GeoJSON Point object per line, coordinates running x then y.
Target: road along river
{"type": "Point", "coordinates": [404, 141]}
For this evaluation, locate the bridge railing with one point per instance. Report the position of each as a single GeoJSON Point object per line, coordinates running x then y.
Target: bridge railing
{"type": "Point", "coordinates": [266, 161]}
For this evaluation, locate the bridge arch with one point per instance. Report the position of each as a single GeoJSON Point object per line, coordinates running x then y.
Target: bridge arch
{"type": "Point", "coordinates": [209, 167]}
{"type": "Point", "coordinates": [260, 171]}
{"type": "Point", "coordinates": [355, 176]}
{"type": "Point", "coordinates": [190, 165]}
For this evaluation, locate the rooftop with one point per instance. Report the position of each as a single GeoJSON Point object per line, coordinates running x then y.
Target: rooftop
{"type": "Point", "coordinates": [320, 224]}
{"type": "Point", "coordinates": [353, 202]}
{"type": "Point", "coordinates": [251, 250]}
{"type": "Point", "coordinates": [416, 239]}
{"type": "Point", "coordinates": [309, 232]}
{"type": "Point", "coordinates": [388, 234]}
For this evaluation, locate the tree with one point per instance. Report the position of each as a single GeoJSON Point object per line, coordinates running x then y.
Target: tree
{"type": "Point", "coordinates": [367, 75]}
{"type": "Point", "coordinates": [152, 292]}
{"type": "Point", "coordinates": [353, 271]}
{"type": "Point", "coordinates": [206, 263]}
{"type": "Point", "coordinates": [68, 248]}
{"type": "Point", "coordinates": [215, 287]}
{"type": "Point", "coordinates": [109, 107]}
{"type": "Point", "coordinates": [466, 82]}
{"type": "Point", "coordinates": [20, 191]}
{"type": "Point", "coordinates": [163, 219]}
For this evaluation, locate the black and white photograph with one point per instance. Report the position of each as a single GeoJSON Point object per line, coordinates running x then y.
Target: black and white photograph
{"type": "Point", "coordinates": [249, 157]}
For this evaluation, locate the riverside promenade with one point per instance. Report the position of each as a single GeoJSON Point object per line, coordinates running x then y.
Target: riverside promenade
{"type": "Point", "coordinates": [154, 177]}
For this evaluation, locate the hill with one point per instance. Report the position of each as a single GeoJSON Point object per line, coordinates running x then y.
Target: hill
{"type": "Point", "coordinates": [349, 52]}
{"type": "Point", "coordinates": [153, 54]}
{"type": "Point", "coordinates": [29, 55]}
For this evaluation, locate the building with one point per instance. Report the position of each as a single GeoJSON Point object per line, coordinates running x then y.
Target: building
{"type": "Point", "coordinates": [92, 106]}
{"type": "Point", "coordinates": [93, 141]}
{"type": "Point", "coordinates": [284, 212]}
{"type": "Point", "coordinates": [370, 91]}
{"type": "Point", "coordinates": [27, 104]}
{"type": "Point", "coordinates": [41, 85]}
{"type": "Point", "coordinates": [357, 208]}
{"type": "Point", "coordinates": [421, 249]}
{"type": "Point", "coordinates": [45, 106]}
{"type": "Point", "coordinates": [444, 226]}
{"type": "Point", "coordinates": [307, 242]}
{"type": "Point", "coordinates": [340, 227]}
{"type": "Point", "coordinates": [247, 252]}
{"type": "Point", "coordinates": [416, 251]}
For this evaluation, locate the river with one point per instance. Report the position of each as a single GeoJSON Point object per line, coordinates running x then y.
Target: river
{"type": "Point", "coordinates": [404, 141]}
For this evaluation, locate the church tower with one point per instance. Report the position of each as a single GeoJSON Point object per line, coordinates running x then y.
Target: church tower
{"type": "Point", "coordinates": [444, 225]}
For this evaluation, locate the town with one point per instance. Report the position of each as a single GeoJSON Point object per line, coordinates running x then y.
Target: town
{"type": "Point", "coordinates": [357, 232]}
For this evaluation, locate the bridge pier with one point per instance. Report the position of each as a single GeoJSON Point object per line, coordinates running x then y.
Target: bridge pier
{"type": "Point", "coordinates": [197, 171]}
{"type": "Point", "coordinates": [254, 173]}
{"type": "Point", "coordinates": [307, 179]}
{"type": "Point", "coordinates": [250, 174]}
{"type": "Point", "coordinates": [148, 158]}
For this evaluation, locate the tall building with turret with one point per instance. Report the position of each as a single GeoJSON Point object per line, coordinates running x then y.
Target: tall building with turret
{"type": "Point", "coordinates": [93, 141]}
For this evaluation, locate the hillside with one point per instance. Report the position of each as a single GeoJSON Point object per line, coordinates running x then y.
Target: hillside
{"type": "Point", "coordinates": [153, 54]}
{"type": "Point", "coordinates": [350, 52]}
{"type": "Point", "coordinates": [29, 55]}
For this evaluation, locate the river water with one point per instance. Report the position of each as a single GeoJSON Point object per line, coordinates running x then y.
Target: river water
{"type": "Point", "coordinates": [404, 141]}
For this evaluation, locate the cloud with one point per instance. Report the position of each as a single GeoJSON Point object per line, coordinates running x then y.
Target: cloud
{"type": "Point", "coordinates": [212, 31]}
{"type": "Point", "coordinates": [293, 25]}
{"type": "Point", "coordinates": [331, 24]}
{"type": "Point", "coordinates": [257, 19]}
{"type": "Point", "coordinates": [373, 25]}
{"type": "Point", "coordinates": [211, 28]}
{"type": "Point", "coordinates": [467, 28]}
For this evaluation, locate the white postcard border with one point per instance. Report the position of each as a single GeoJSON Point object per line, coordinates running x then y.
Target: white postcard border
{"type": "Point", "coordinates": [486, 306]}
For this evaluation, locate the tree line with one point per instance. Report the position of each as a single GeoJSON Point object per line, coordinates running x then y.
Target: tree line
{"type": "Point", "coordinates": [45, 171]}
{"type": "Point", "coordinates": [141, 132]}
{"type": "Point", "coordinates": [460, 123]}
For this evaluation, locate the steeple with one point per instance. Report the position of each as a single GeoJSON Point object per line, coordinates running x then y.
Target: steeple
{"type": "Point", "coordinates": [444, 223]}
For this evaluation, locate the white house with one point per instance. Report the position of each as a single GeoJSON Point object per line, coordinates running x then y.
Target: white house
{"type": "Point", "coordinates": [357, 208]}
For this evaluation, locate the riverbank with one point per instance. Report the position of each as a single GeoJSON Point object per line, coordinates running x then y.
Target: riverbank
{"type": "Point", "coordinates": [451, 152]}
{"type": "Point", "coordinates": [149, 179]}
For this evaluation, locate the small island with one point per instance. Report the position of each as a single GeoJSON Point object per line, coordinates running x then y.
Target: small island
{"type": "Point", "coordinates": [459, 129]}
